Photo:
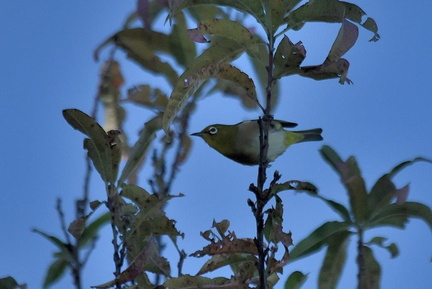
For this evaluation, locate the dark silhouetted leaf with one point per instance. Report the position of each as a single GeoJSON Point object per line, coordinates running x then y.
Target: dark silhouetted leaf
{"type": "Point", "coordinates": [372, 271]}
{"type": "Point", "coordinates": [379, 241]}
{"type": "Point", "coordinates": [8, 283]}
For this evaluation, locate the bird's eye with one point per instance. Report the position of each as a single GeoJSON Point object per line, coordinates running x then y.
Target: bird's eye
{"type": "Point", "coordinates": [212, 130]}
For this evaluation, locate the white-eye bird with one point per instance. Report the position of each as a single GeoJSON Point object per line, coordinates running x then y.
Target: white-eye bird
{"type": "Point", "coordinates": [240, 142]}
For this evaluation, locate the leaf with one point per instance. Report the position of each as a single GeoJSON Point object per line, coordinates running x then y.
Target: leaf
{"type": "Point", "coordinates": [331, 157]}
{"type": "Point", "coordinates": [135, 268]}
{"type": "Point", "coordinates": [8, 283]}
{"type": "Point", "coordinates": [380, 196]}
{"type": "Point", "coordinates": [398, 214]}
{"type": "Point", "coordinates": [337, 207]}
{"type": "Point", "coordinates": [273, 225]}
{"type": "Point", "coordinates": [350, 175]}
{"type": "Point", "coordinates": [295, 280]}
{"type": "Point", "coordinates": [288, 58]}
{"type": "Point", "coordinates": [294, 185]}
{"type": "Point", "coordinates": [379, 241]}
{"type": "Point", "coordinates": [205, 66]}
{"type": "Point", "coordinates": [192, 282]}
{"type": "Point", "coordinates": [404, 164]}
{"type": "Point", "coordinates": [141, 45]}
{"type": "Point", "coordinates": [92, 230]}
{"type": "Point", "coordinates": [329, 11]}
{"type": "Point", "coordinates": [151, 218]}
{"type": "Point", "coordinates": [317, 239]}
{"type": "Point", "coordinates": [76, 228]}
{"type": "Point", "coordinates": [148, 97]}
{"type": "Point", "coordinates": [346, 38]}
{"type": "Point", "coordinates": [235, 261]}
{"type": "Point", "coordinates": [334, 260]}
{"type": "Point", "coordinates": [56, 241]}
{"type": "Point", "coordinates": [55, 272]}
{"type": "Point", "coordinates": [338, 69]}
{"type": "Point", "coordinates": [372, 270]}
{"type": "Point", "coordinates": [234, 31]}
{"type": "Point", "coordinates": [98, 146]}
{"type": "Point", "coordinates": [251, 7]}
{"type": "Point", "coordinates": [181, 46]}
{"type": "Point", "coordinates": [138, 151]}
{"type": "Point", "coordinates": [276, 10]}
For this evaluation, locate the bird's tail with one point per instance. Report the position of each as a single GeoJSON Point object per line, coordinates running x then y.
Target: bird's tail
{"type": "Point", "coordinates": [311, 134]}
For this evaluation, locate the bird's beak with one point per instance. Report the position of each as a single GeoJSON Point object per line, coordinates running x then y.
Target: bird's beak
{"type": "Point", "coordinates": [200, 134]}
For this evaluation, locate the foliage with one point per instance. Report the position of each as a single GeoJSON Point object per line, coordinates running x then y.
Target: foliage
{"type": "Point", "coordinates": [384, 205]}
{"type": "Point", "coordinates": [136, 215]}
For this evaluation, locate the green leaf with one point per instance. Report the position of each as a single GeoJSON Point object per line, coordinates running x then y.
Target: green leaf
{"type": "Point", "coordinates": [351, 178]}
{"type": "Point", "coordinates": [334, 260]}
{"type": "Point", "coordinates": [147, 135]}
{"type": "Point", "coordinates": [404, 164]}
{"type": "Point", "coordinates": [205, 66]}
{"type": "Point", "coordinates": [141, 45]}
{"type": "Point", "coordinates": [372, 270]}
{"type": "Point", "coordinates": [55, 272]}
{"type": "Point", "coordinates": [148, 97]}
{"type": "Point", "coordinates": [92, 230]}
{"type": "Point", "coordinates": [234, 31]}
{"type": "Point", "coordinates": [295, 280]}
{"type": "Point", "coordinates": [380, 196]}
{"type": "Point", "coordinates": [181, 46]}
{"type": "Point", "coordinates": [317, 239]}
{"type": "Point", "coordinates": [187, 281]}
{"type": "Point", "coordinates": [337, 207]}
{"type": "Point", "coordinates": [251, 7]}
{"type": "Point", "coordinates": [332, 11]}
{"type": "Point", "coordinates": [288, 58]}
{"type": "Point", "coordinates": [56, 241]}
{"type": "Point", "coordinates": [331, 157]}
{"type": "Point", "coordinates": [236, 261]}
{"type": "Point", "coordinates": [398, 214]}
{"type": "Point", "coordinates": [98, 146]}
{"type": "Point", "coordinates": [379, 241]}
{"type": "Point", "coordinates": [276, 10]}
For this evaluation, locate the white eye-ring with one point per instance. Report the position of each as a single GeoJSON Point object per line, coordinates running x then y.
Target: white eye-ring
{"type": "Point", "coordinates": [212, 130]}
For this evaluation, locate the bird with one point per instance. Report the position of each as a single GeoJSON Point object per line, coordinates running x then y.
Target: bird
{"type": "Point", "coordinates": [240, 142]}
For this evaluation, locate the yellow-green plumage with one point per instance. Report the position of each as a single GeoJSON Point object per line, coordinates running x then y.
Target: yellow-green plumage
{"type": "Point", "coordinates": [240, 142]}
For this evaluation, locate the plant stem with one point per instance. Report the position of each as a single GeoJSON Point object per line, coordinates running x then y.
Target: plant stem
{"type": "Point", "coordinates": [262, 195]}
{"type": "Point", "coordinates": [361, 261]}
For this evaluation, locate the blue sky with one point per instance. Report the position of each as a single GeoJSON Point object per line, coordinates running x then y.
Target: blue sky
{"type": "Point", "coordinates": [46, 65]}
